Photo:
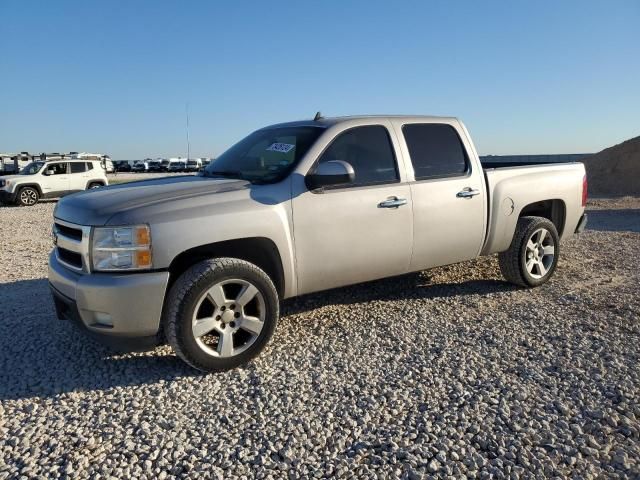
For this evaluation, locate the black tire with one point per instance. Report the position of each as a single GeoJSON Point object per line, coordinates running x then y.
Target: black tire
{"type": "Point", "coordinates": [513, 262]}
{"type": "Point", "coordinates": [27, 196]}
{"type": "Point", "coordinates": [183, 299]}
{"type": "Point", "coordinates": [94, 185]}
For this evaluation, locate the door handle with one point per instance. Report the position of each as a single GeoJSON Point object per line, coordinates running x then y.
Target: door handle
{"type": "Point", "coordinates": [393, 202]}
{"type": "Point", "coordinates": [468, 193]}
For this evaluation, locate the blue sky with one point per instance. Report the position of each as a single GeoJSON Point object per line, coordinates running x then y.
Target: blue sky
{"type": "Point", "coordinates": [114, 77]}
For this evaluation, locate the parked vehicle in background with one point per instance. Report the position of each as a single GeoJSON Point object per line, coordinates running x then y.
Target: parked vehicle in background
{"type": "Point", "coordinates": [175, 160]}
{"type": "Point", "coordinates": [60, 156]}
{"type": "Point", "coordinates": [179, 166]}
{"type": "Point", "coordinates": [205, 162]}
{"type": "Point", "coordinates": [140, 166]}
{"type": "Point", "coordinates": [12, 163]}
{"type": "Point", "coordinates": [51, 180]}
{"type": "Point", "coordinates": [193, 165]}
{"type": "Point", "coordinates": [107, 164]}
{"type": "Point", "coordinates": [122, 166]}
{"type": "Point", "coordinates": [155, 166]}
{"type": "Point", "coordinates": [164, 164]}
{"type": "Point", "coordinates": [105, 160]}
{"type": "Point", "coordinates": [203, 261]}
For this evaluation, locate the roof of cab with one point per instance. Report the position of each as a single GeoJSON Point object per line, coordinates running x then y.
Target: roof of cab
{"type": "Point", "coordinates": [325, 122]}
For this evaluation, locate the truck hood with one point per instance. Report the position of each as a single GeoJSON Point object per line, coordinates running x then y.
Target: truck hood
{"type": "Point", "coordinates": [97, 206]}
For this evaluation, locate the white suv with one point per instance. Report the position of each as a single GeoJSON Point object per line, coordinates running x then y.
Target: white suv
{"type": "Point", "coordinates": [51, 180]}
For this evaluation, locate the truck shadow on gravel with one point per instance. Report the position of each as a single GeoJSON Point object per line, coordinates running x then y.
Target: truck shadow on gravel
{"type": "Point", "coordinates": [41, 356]}
{"type": "Point", "coordinates": [411, 286]}
{"type": "Point", "coordinates": [614, 220]}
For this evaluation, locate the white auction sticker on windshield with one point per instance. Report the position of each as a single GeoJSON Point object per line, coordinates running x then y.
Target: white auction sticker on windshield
{"type": "Point", "coordinates": [280, 147]}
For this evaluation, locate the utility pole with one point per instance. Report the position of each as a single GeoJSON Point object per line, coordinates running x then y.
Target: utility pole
{"type": "Point", "coordinates": [188, 143]}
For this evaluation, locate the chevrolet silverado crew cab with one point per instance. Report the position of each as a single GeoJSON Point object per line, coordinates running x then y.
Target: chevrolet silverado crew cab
{"type": "Point", "coordinates": [202, 261]}
{"type": "Point", "coordinates": [51, 180]}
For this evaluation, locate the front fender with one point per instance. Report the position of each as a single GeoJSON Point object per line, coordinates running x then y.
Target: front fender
{"type": "Point", "coordinates": [180, 225]}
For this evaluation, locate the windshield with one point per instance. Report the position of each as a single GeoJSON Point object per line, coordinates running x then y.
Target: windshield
{"type": "Point", "coordinates": [191, 162]}
{"type": "Point", "coordinates": [32, 168]}
{"type": "Point", "coordinates": [265, 156]}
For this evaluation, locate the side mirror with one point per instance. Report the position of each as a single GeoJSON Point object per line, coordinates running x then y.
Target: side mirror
{"type": "Point", "coordinates": [46, 173]}
{"type": "Point", "coordinates": [329, 174]}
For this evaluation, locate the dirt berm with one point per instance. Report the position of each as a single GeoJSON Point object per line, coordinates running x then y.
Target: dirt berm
{"type": "Point", "coordinates": [615, 170]}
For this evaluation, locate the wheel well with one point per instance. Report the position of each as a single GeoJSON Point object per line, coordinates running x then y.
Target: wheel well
{"type": "Point", "coordinates": [260, 251]}
{"type": "Point", "coordinates": [553, 210]}
{"type": "Point", "coordinates": [32, 185]}
{"type": "Point", "coordinates": [91, 182]}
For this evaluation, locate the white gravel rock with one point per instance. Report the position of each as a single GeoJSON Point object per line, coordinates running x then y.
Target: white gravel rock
{"type": "Point", "coordinates": [451, 372]}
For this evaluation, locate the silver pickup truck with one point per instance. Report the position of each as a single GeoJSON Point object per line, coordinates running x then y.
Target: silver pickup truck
{"type": "Point", "coordinates": [203, 261]}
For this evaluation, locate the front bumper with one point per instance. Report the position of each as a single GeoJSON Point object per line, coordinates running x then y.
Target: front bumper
{"type": "Point", "coordinates": [7, 197]}
{"type": "Point", "coordinates": [123, 310]}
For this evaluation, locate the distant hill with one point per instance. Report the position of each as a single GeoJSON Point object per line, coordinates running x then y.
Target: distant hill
{"type": "Point", "coordinates": [615, 170]}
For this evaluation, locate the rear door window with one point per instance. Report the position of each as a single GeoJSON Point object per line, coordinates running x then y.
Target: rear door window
{"type": "Point", "coordinates": [436, 150]}
{"type": "Point", "coordinates": [78, 167]}
{"type": "Point", "coordinates": [369, 151]}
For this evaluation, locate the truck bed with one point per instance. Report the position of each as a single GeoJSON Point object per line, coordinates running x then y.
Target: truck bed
{"type": "Point", "coordinates": [501, 161]}
{"type": "Point", "coordinates": [514, 163]}
{"type": "Point", "coordinates": [511, 187]}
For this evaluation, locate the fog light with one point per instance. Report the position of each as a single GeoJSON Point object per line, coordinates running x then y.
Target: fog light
{"type": "Point", "coordinates": [102, 318]}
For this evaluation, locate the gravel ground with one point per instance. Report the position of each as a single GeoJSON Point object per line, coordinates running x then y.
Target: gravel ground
{"type": "Point", "coordinates": [451, 372]}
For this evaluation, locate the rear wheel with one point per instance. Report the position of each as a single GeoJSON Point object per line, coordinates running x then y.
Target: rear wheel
{"type": "Point", "coordinates": [533, 255]}
{"type": "Point", "coordinates": [28, 196]}
{"type": "Point", "coordinates": [95, 185]}
{"type": "Point", "coordinates": [220, 314]}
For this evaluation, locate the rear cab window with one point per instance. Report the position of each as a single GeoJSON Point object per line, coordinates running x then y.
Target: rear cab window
{"type": "Point", "coordinates": [436, 150]}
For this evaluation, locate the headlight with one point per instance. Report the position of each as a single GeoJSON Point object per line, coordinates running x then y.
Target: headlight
{"type": "Point", "coordinates": [121, 248]}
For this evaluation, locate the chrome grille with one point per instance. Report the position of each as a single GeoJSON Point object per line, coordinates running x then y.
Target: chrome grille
{"type": "Point", "coordinates": [71, 232]}
{"type": "Point", "coordinates": [72, 245]}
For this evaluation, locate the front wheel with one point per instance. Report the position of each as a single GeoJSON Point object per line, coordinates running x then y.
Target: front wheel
{"type": "Point", "coordinates": [28, 196]}
{"type": "Point", "coordinates": [533, 255]}
{"type": "Point", "coordinates": [220, 314]}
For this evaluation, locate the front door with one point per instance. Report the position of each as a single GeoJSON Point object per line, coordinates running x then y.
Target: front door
{"type": "Point", "coordinates": [357, 232]}
{"type": "Point", "coordinates": [56, 181]}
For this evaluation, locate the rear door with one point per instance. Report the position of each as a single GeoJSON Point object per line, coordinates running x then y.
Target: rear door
{"type": "Point", "coordinates": [448, 193]}
{"type": "Point", "coordinates": [353, 233]}
{"type": "Point", "coordinates": [77, 176]}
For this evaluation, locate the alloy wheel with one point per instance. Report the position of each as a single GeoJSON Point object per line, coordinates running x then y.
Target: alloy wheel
{"type": "Point", "coordinates": [540, 252]}
{"type": "Point", "coordinates": [228, 318]}
{"type": "Point", "coordinates": [28, 196]}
